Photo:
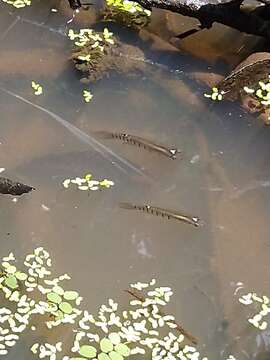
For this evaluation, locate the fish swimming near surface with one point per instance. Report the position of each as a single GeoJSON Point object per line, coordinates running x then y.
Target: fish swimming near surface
{"type": "Point", "coordinates": [141, 142]}
{"type": "Point", "coordinates": [169, 214]}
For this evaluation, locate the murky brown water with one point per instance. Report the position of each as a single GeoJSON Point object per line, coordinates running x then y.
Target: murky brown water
{"type": "Point", "coordinates": [224, 178]}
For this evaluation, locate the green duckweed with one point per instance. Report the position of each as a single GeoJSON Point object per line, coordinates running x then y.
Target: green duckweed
{"type": "Point", "coordinates": [54, 298]}
{"type": "Point", "coordinates": [106, 345]}
{"type": "Point", "coordinates": [88, 351]}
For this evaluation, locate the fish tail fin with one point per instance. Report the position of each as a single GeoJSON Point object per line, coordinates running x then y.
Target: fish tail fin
{"type": "Point", "coordinates": [126, 205]}
{"type": "Point", "coordinates": [103, 134]}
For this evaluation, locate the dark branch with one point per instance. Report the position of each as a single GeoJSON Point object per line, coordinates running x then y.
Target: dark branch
{"type": "Point", "coordinates": [227, 13]}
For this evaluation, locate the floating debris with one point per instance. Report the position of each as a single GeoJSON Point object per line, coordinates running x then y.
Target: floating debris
{"type": "Point", "coordinates": [128, 13]}
{"type": "Point", "coordinates": [141, 142]}
{"type": "Point", "coordinates": [169, 214]}
{"type": "Point", "coordinates": [37, 87]}
{"type": "Point", "coordinates": [87, 183]}
{"type": "Point", "coordinates": [10, 187]}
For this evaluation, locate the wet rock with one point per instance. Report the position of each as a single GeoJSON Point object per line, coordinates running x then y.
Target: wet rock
{"type": "Point", "coordinates": [121, 58]}
{"type": "Point", "coordinates": [10, 187]}
{"type": "Point", "coordinates": [248, 73]}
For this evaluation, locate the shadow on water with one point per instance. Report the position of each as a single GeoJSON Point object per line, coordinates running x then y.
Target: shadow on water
{"type": "Point", "coordinates": [223, 178]}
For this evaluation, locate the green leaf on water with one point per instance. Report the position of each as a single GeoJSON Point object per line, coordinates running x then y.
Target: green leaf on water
{"type": "Point", "coordinates": [70, 295]}
{"type": "Point", "coordinates": [66, 308]}
{"type": "Point", "coordinates": [58, 290]}
{"type": "Point", "coordinates": [115, 356]}
{"type": "Point", "coordinates": [54, 298]}
{"type": "Point", "coordinates": [88, 351]}
{"type": "Point", "coordinates": [106, 345]}
{"type": "Point", "coordinates": [15, 296]}
{"type": "Point", "coordinates": [77, 358]}
{"type": "Point", "coordinates": [103, 356]}
{"type": "Point", "coordinates": [114, 338]}
{"type": "Point", "coordinates": [122, 349]}
{"type": "Point", "coordinates": [11, 269]}
{"type": "Point", "coordinates": [11, 282]}
{"type": "Point", "coordinates": [59, 315]}
{"type": "Point", "coordinates": [20, 276]}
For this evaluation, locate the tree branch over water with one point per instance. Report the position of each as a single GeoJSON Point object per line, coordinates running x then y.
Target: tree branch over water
{"type": "Point", "coordinates": [228, 13]}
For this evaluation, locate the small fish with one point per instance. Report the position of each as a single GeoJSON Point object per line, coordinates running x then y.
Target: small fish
{"type": "Point", "coordinates": [170, 214]}
{"type": "Point", "coordinates": [136, 140]}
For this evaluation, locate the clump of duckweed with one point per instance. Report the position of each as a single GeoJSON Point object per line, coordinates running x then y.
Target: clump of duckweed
{"type": "Point", "coordinates": [261, 92]}
{"type": "Point", "coordinates": [261, 304]}
{"type": "Point", "coordinates": [18, 3]}
{"type": "Point", "coordinates": [87, 95]}
{"type": "Point", "coordinates": [47, 350]}
{"type": "Point", "coordinates": [38, 90]}
{"type": "Point", "coordinates": [87, 183]}
{"type": "Point", "coordinates": [261, 95]}
{"type": "Point", "coordinates": [91, 51]}
{"type": "Point", "coordinates": [215, 95]}
{"type": "Point", "coordinates": [33, 292]}
{"type": "Point", "coordinates": [127, 13]}
{"type": "Point", "coordinates": [141, 329]}
{"type": "Point", "coordinates": [98, 54]}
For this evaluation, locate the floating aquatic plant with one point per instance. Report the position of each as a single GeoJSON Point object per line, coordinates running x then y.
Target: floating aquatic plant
{"type": "Point", "coordinates": [129, 13]}
{"type": "Point", "coordinates": [18, 3]}
{"type": "Point", "coordinates": [261, 303]}
{"type": "Point", "coordinates": [87, 95]}
{"type": "Point", "coordinates": [142, 328]}
{"type": "Point", "coordinates": [87, 183]}
{"type": "Point", "coordinates": [216, 94]}
{"type": "Point", "coordinates": [38, 90]}
{"type": "Point", "coordinates": [110, 335]}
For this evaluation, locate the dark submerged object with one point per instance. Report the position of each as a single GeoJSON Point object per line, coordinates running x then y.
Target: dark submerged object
{"type": "Point", "coordinates": [169, 214]}
{"type": "Point", "coordinates": [141, 142]}
{"type": "Point", "coordinates": [10, 187]}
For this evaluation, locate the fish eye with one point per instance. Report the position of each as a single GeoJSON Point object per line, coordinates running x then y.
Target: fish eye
{"type": "Point", "coordinates": [173, 151]}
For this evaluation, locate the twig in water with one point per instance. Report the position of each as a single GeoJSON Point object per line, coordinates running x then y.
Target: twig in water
{"type": "Point", "coordinates": [139, 296]}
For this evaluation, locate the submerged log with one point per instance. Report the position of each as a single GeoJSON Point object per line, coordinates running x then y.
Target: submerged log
{"type": "Point", "coordinates": [10, 187]}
